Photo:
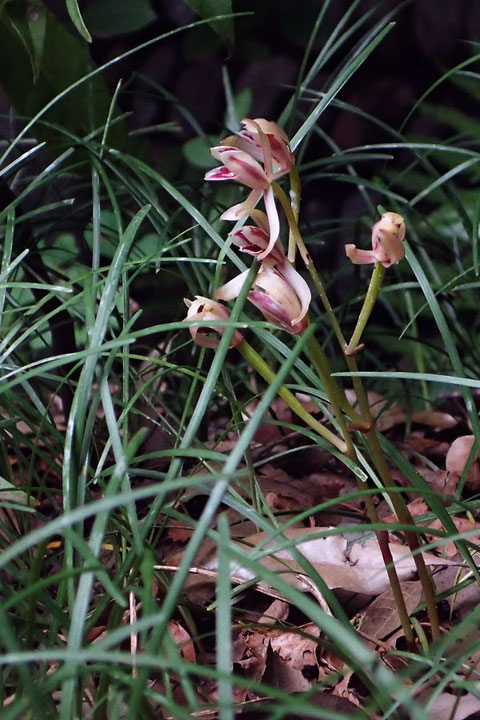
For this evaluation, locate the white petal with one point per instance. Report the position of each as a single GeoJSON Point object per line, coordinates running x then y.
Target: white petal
{"type": "Point", "coordinates": [300, 286]}
{"type": "Point", "coordinates": [231, 289]}
{"type": "Point", "coordinates": [273, 221]}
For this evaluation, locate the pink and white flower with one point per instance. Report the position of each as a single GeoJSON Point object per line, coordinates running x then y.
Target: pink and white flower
{"type": "Point", "coordinates": [388, 235]}
{"type": "Point", "coordinates": [205, 310]}
{"type": "Point", "coordinates": [254, 240]}
{"type": "Point", "coordinates": [280, 293]}
{"type": "Point", "coordinates": [252, 140]}
{"type": "Point", "coordinates": [263, 142]}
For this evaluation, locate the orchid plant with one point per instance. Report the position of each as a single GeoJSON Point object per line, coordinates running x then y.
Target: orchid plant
{"type": "Point", "coordinates": [257, 157]}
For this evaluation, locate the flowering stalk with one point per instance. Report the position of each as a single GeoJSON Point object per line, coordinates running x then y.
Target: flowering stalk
{"type": "Point", "coordinates": [256, 157]}
{"type": "Point", "coordinates": [368, 304]}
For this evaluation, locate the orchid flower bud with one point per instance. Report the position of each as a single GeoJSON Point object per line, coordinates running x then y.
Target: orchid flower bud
{"type": "Point", "coordinates": [388, 235]}
{"type": "Point", "coordinates": [281, 295]}
{"type": "Point", "coordinates": [205, 310]}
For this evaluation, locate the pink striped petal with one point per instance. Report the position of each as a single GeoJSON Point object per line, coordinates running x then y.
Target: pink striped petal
{"type": "Point", "coordinates": [279, 148]}
{"type": "Point", "coordinates": [359, 257]}
{"type": "Point", "coordinates": [244, 167]}
{"type": "Point", "coordinates": [205, 311]}
{"type": "Point", "coordinates": [254, 240]}
{"type": "Point", "coordinates": [220, 173]}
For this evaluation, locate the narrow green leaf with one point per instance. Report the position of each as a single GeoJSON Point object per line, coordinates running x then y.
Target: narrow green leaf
{"type": "Point", "coordinates": [337, 85]}
{"type": "Point", "coordinates": [223, 617]}
{"type": "Point", "coordinates": [76, 18]}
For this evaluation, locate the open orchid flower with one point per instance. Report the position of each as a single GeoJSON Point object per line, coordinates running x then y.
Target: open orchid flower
{"type": "Point", "coordinates": [254, 240]}
{"type": "Point", "coordinates": [206, 310]}
{"type": "Point", "coordinates": [388, 235]}
{"type": "Point", "coordinates": [261, 141]}
{"type": "Point", "coordinates": [281, 295]}
{"type": "Point", "coordinates": [251, 140]}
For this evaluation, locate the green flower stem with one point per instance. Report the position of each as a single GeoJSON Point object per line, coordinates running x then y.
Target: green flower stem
{"type": "Point", "coordinates": [258, 363]}
{"type": "Point", "coordinates": [367, 307]}
{"type": "Point", "coordinates": [295, 235]}
{"type": "Point", "coordinates": [404, 516]}
{"type": "Point", "coordinates": [382, 538]}
{"type": "Point", "coordinates": [377, 453]}
{"type": "Point", "coordinates": [334, 391]}
{"type": "Point", "coordinates": [295, 197]}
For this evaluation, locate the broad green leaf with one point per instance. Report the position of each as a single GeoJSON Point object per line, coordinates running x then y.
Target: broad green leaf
{"type": "Point", "coordinates": [81, 111]}
{"type": "Point", "coordinates": [114, 17]}
{"type": "Point", "coordinates": [76, 18]}
{"type": "Point", "coordinates": [211, 9]}
{"type": "Point", "coordinates": [198, 153]}
{"type": "Point", "coordinates": [37, 23]}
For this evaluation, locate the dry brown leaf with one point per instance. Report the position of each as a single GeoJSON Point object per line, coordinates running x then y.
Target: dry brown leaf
{"type": "Point", "coordinates": [268, 432]}
{"type": "Point", "coordinates": [349, 564]}
{"type": "Point", "coordinates": [284, 492]}
{"type": "Point", "coordinates": [457, 457]}
{"type": "Point", "coordinates": [292, 665]}
{"type": "Point", "coordinates": [182, 639]}
{"type": "Point", "coordinates": [297, 650]}
{"type": "Point", "coordinates": [463, 525]}
{"type": "Point", "coordinates": [434, 418]}
{"type": "Point", "coordinates": [454, 708]}
{"type": "Point", "coordinates": [276, 612]}
{"type": "Point", "coordinates": [381, 617]}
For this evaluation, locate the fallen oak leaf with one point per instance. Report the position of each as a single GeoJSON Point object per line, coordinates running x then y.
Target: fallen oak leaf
{"type": "Point", "coordinates": [356, 566]}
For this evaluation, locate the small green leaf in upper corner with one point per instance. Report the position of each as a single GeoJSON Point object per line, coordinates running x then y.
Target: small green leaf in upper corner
{"type": "Point", "coordinates": [117, 17]}
{"type": "Point", "coordinates": [211, 9]}
{"type": "Point", "coordinates": [77, 20]}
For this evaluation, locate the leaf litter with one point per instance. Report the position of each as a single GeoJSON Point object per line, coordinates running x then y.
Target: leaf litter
{"type": "Point", "coordinates": [271, 640]}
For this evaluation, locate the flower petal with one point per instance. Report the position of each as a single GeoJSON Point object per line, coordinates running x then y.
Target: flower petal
{"type": "Point", "coordinates": [238, 211]}
{"type": "Point", "coordinates": [254, 240]}
{"type": "Point", "coordinates": [277, 140]}
{"type": "Point", "coordinates": [220, 173]}
{"type": "Point", "coordinates": [243, 166]}
{"type": "Point", "coordinates": [206, 311]}
{"type": "Point", "coordinates": [277, 287]}
{"type": "Point", "coordinates": [273, 221]}
{"type": "Point", "coordinates": [300, 286]}
{"type": "Point", "coordinates": [359, 257]}
{"type": "Point", "coordinates": [271, 309]}
{"type": "Point", "coordinates": [231, 289]}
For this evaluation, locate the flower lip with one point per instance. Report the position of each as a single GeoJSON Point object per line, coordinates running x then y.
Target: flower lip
{"type": "Point", "coordinates": [255, 241]}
